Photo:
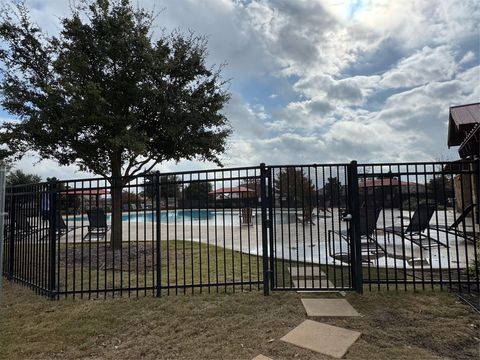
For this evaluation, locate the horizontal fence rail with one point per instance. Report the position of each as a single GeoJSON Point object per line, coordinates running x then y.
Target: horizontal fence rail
{"type": "Point", "coordinates": [306, 227]}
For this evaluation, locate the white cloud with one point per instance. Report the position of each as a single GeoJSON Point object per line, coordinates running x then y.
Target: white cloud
{"type": "Point", "coordinates": [422, 67]}
{"type": "Point", "coordinates": [246, 120]}
{"type": "Point", "coordinates": [468, 57]}
{"type": "Point", "coordinates": [372, 82]}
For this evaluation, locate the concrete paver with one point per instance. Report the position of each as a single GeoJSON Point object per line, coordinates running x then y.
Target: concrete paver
{"type": "Point", "coordinates": [329, 307]}
{"type": "Point", "coordinates": [261, 357]}
{"type": "Point", "coordinates": [325, 339]}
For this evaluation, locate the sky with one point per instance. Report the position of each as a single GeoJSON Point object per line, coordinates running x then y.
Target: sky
{"type": "Point", "coordinates": [323, 81]}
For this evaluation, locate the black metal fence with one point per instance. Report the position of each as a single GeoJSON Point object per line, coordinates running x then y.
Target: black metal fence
{"type": "Point", "coordinates": [419, 225]}
{"type": "Point", "coordinates": [308, 227]}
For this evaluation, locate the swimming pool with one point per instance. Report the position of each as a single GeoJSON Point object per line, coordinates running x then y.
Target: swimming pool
{"type": "Point", "coordinates": [148, 215]}
{"type": "Point", "coordinates": [226, 217]}
{"type": "Point", "coordinates": [203, 216]}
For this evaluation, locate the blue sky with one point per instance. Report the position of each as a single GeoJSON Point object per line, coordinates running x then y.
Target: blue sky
{"type": "Point", "coordinates": [325, 81]}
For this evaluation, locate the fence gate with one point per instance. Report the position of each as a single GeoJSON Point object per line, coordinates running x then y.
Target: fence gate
{"type": "Point", "coordinates": [312, 213]}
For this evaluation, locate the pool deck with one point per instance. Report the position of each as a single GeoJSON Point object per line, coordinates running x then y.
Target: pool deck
{"type": "Point", "coordinates": [307, 242]}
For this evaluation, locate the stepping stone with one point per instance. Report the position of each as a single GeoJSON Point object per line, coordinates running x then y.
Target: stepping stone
{"type": "Point", "coordinates": [322, 338]}
{"type": "Point", "coordinates": [313, 284]}
{"type": "Point", "coordinates": [261, 357]}
{"type": "Point", "coordinates": [329, 307]}
{"type": "Point", "coordinates": [305, 272]}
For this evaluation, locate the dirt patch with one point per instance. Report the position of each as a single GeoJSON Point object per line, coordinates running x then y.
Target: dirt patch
{"type": "Point", "coordinates": [101, 256]}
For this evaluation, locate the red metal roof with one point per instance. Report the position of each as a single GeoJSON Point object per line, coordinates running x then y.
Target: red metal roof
{"type": "Point", "coordinates": [237, 189]}
{"type": "Point", "coordinates": [384, 182]}
{"type": "Point", "coordinates": [85, 192]}
{"type": "Point", "coordinates": [466, 114]}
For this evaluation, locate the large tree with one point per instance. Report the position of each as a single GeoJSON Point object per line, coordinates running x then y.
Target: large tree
{"type": "Point", "coordinates": [18, 177]}
{"type": "Point", "coordinates": [108, 95]}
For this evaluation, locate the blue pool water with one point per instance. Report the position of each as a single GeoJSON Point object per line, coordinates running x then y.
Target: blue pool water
{"type": "Point", "coordinates": [170, 216]}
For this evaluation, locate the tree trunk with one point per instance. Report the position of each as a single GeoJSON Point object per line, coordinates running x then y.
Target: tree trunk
{"type": "Point", "coordinates": [117, 188]}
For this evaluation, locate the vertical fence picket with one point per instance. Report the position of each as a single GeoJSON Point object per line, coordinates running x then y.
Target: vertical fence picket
{"type": "Point", "coordinates": [52, 249]}
{"type": "Point", "coordinates": [13, 224]}
{"type": "Point", "coordinates": [356, 251]}
{"type": "Point", "coordinates": [263, 193]}
{"type": "Point", "coordinates": [158, 253]}
{"type": "Point", "coordinates": [2, 222]}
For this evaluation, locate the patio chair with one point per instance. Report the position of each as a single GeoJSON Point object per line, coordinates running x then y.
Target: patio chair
{"type": "Point", "coordinates": [97, 226]}
{"type": "Point", "coordinates": [24, 225]}
{"type": "Point", "coordinates": [25, 229]}
{"type": "Point", "coordinates": [419, 222]}
{"type": "Point", "coordinates": [62, 228]}
{"type": "Point", "coordinates": [454, 229]}
{"type": "Point", "coordinates": [326, 212]}
{"type": "Point", "coordinates": [370, 247]}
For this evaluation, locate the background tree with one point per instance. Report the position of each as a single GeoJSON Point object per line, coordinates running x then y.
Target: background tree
{"type": "Point", "coordinates": [440, 189]}
{"type": "Point", "coordinates": [334, 191]}
{"type": "Point", "coordinates": [107, 97]}
{"type": "Point", "coordinates": [197, 192]}
{"type": "Point", "coordinates": [18, 177]}
{"type": "Point", "coordinates": [169, 186]}
{"type": "Point", "coordinates": [130, 198]}
{"type": "Point", "coordinates": [293, 184]}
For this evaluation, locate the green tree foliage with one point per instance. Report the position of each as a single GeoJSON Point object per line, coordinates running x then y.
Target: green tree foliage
{"type": "Point", "coordinates": [293, 184]}
{"type": "Point", "coordinates": [440, 189]}
{"type": "Point", "coordinates": [169, 186]}
{"type": "Point", "coordinates": [108, 95]}
{"type": "Point", "coordinates": [334, 191]}
{"type": "Point", "coordinates": [198, 190]}
{"type": "Point", "coordinates": [18, 177]}
{"type": "Point", "coordinates": [130, 198]}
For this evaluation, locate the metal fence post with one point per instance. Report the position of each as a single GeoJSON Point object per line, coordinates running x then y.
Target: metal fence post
{"type": "Point", "coordinates": [355, 243]}
{"type": "Point", "coordinates": [53, 239]}
{"type": "Point", "coordinates": [264, 209]}
{"type": "Point", "coordinates": [157, 234]}
{"type": "Point", "coordinates": [477, 176]}
{"type": "Point", "coordinates": [2, 215]}
{"type": "Point", "coordinates": [271, 203]}
{"type": "Point", "coordinates": [11, 245]}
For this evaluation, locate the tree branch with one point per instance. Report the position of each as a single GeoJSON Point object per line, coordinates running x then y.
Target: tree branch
{"type": "Point", "coordinates": [137, 170]}
{"type": "Point", "coordinates": [139, 165]}
{"type": "Point", "coordinates": [131, 163]}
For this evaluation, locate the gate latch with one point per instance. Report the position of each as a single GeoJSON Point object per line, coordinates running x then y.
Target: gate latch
{"type": "Point", "coordinates": [346, 216]}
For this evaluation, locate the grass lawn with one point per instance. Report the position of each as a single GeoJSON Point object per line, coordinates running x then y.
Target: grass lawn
{"type": "Point", "coordinates": [185, 267]}
{"type": "Point", "coordinates": [395, 325]}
